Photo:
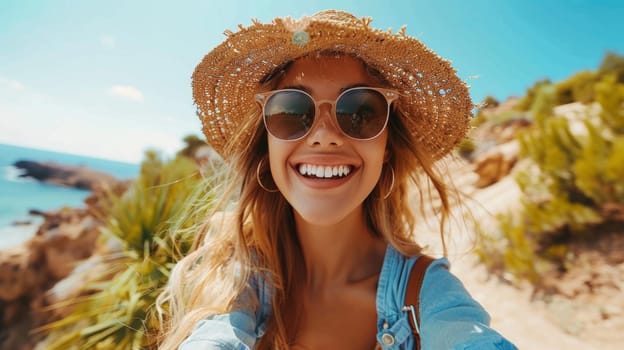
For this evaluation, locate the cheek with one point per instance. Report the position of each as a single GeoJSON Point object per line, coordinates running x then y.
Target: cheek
{"type": "Point", "coordinates": [274, 155]}
{"type": "Point", "coordinates": [278, 156]}
{"type": "Point", "coordinates": [379, 150]}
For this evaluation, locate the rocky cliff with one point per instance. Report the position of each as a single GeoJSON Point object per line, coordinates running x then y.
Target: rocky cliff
{"type": "Point", "coordinates": [28, 272]}
{"type": "Point", "coordinates": [64, 175]}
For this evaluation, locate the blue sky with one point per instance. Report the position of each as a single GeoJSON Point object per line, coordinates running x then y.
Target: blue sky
{"type": "Point", "coordinates": [112, 78]}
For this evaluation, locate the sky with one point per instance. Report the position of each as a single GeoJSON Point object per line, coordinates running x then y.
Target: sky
{"type": "Point", "coordinates": [111, 79]}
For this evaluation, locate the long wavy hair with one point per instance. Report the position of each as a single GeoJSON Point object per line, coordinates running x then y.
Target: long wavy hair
{"type": "Point", "coordinates": [258, 237]}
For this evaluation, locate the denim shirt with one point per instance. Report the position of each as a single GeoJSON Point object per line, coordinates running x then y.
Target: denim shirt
{"type": "Point", "coordinates": [449, 317]}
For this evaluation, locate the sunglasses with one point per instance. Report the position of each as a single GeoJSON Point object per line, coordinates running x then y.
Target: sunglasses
{"type": "Point", "coordinates": [361, 113]}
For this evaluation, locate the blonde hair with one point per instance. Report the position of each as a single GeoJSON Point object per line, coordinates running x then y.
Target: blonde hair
{"type": "Point", "coordinates": [210, 280]}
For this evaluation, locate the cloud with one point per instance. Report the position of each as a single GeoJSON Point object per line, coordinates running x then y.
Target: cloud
{"type": "Point", "coordinates": [107, 41]}
{"type": "Point", "coordinates": [126, 91]}
{"type": "Point", "coordinates": [12, 84]}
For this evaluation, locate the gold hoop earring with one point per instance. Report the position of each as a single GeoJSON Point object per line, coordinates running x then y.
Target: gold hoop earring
{"type": "Point", "coordinates": [391, 183]}
{"type": "Point", "coordinates": [260, 181]}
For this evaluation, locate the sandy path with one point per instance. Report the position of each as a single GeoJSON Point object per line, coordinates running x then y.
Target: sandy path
{"type": "Point", "coordinates": [524, 322]}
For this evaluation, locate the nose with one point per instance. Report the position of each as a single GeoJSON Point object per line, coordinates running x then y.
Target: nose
{"type": "Point", "coordinates": [325, 132]}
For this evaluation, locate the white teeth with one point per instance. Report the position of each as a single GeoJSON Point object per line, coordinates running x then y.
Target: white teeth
{"type": "Point", "coordinates": [328, 172]}
{"type": "Point", "coordinates": [321, 171]}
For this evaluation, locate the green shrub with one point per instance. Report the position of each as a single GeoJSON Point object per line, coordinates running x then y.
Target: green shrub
{"type": "Point", "coordinates": [566, 186]}
{"type": "Point", "coordinates": [581, 87]}
{"type": "Point", "coordinates": [191, 144]}
{"type": "Point", "coordinates": [466, 147]}
{"type": "Point", "coordinates": [612, 64]}
{"type": "Point", "coordinates": [149, 224]}
{"type": "Point", "coordinates": [526, 102]}
{"type": "Point", "coordinates": [578, 88]}
{"type": "Point", "coordinates": [504, 117]}
{"type": "Point", "coordinates": [490, 101]}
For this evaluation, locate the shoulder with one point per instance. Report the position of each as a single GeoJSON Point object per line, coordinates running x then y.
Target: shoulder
{"type": "Point", "coordinates": [442, 290]}
{"type": "Point", "coordinates": [238, 329]}
{"type": "Point", "coordinates": [234, 330]}
{"type": "Point", "coordinates": [450, 317]}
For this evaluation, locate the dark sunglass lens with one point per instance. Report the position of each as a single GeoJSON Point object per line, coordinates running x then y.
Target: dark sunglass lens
{"type": "Point", "coordinates": [362, 113]}
{"type": "Point", "coordinates": [288, 115]}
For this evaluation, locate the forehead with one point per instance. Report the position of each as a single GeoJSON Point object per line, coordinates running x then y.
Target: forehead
{"type": "Point", "coordinates": [325, 72]}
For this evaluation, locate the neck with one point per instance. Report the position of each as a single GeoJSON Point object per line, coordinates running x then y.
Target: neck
{"type": "Point", "coordinates": [345, 252]}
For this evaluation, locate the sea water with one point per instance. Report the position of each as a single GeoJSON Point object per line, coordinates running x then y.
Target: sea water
{"type": "Point", "coordinates": [19, 195]}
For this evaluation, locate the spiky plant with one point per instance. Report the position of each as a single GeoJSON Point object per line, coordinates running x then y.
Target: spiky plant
{"type": "Point", "coordinates": [150, 230]}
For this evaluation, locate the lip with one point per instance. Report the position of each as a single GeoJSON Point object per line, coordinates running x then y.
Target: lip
{"type": "Point", "coordinates": [326, 160]}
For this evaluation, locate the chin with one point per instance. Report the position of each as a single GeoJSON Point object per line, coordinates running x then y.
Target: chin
{"type": "Point", "coordinates": [321, 219]}
{"type": "Point", "coordinates": [319, 209]}
{"type": "Point", "coordinates": [323, 215]}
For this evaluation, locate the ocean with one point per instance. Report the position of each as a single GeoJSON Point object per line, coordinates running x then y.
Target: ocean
{"type": "Point", "coordinates": [19, 195]}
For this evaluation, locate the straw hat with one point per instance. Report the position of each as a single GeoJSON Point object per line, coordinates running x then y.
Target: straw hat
{"type": "Point", "coordinates": [434, 101]}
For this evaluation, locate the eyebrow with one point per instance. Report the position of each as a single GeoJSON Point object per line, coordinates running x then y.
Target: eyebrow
{"type": "Point", "coordinates": [309, 91]}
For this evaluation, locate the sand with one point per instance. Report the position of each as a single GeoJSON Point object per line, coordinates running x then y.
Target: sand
{"type": "Point", "coordinates": [530, 323]}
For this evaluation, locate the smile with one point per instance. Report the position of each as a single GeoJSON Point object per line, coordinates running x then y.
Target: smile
{"type": "Point", "coordinates": [324, 171]}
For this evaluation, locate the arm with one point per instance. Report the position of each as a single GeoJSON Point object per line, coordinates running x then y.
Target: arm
{"type": "Point", "coordinates": [451, 318]}
{"type": "Point", "coordinates": [232, 331]}
{"type": "Point", "coordinates": [236, 330]}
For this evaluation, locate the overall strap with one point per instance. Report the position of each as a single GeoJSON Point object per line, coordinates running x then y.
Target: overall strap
{"type": "Point", "coordinates": [412, 294]}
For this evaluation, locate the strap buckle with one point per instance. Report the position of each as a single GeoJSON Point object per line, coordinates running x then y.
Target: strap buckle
{"type": "Point", "coordinates": [412, 310]}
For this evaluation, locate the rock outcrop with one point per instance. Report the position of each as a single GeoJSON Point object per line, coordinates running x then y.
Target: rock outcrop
{"type": "Point", "coordinates": [30, 271]}
{"type": "Point", "coordinates": [64, 175]}
{"type": "Point", "coordinates": [496, 163]}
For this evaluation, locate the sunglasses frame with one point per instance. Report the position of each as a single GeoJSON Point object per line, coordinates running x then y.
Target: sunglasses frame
{"type": "Point", "coordinates": [389, 94]}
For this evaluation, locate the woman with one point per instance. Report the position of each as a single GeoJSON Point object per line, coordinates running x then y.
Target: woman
{"type": "Point", "coordinates": [328, 125]}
